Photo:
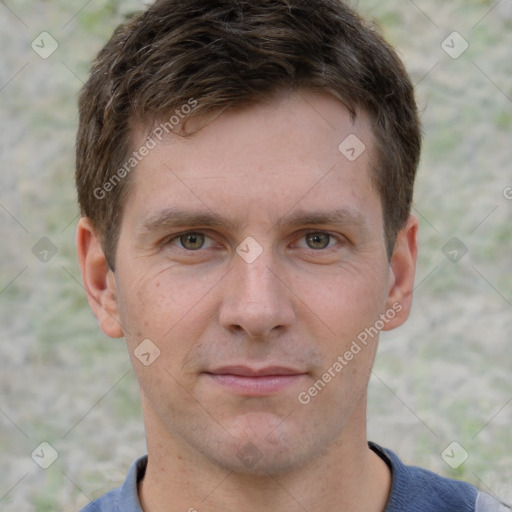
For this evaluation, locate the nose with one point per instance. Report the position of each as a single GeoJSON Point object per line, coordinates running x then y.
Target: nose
{"type": "Point", "coordinates": [255, 300]}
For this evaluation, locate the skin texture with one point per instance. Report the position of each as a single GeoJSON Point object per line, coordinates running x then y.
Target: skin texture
{"type": "Point", "coordinates": [293, 306]}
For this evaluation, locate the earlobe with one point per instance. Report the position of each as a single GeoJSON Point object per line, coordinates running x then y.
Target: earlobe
{"type": "Point", "coordinates": [402, 270]}
{"type": "Point", "coordinates": [98, 279]}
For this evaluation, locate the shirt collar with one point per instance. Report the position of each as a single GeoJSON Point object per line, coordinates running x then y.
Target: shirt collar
{"type": "Point", "coordinates": [129, 498]}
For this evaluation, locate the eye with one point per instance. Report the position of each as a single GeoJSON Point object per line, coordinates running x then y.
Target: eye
{"type": "Point", "coordinates": [191, 241]}
{"type": "Point", "coordinates": [318, 240]}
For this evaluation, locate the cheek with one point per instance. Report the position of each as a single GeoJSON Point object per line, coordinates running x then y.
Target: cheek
{"type": "Point", "coordinates": [151, 300]}
{"type": "Point", "coordinates": [346, 301]}
{"type": "Point", "coordinates": [168, 308]}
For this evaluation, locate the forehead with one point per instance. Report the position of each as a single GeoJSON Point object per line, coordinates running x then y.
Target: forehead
{"type": "Point", "coordinates": [300, 151]}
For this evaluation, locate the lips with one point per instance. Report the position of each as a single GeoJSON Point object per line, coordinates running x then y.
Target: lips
{"type": "Point", "coordinates": [249, 381]}
{"type": "Point", "coordinates": [246, 371]}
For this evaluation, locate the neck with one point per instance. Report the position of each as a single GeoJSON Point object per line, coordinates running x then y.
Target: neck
{"type": "Point", "coordinates": [347, 477]}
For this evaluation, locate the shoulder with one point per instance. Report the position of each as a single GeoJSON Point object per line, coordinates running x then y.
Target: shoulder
{"type": "Point", "coordinates": [416, 489]}
{"type": "Point", "coordinates": [125, 498]}
{"type": "Point", "coordinates": [107, 503]}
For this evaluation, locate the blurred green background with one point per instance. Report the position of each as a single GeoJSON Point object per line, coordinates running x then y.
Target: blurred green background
{"type": "Point", "coordinates": [443, 377]}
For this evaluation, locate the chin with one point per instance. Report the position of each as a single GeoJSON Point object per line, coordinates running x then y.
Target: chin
{"type": "Point", "coordinates": [264, 445]}
{"type": "Point", "coordinates": [256, 460]}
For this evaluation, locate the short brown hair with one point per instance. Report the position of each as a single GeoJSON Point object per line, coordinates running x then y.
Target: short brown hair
{"type": "Point", "coordinates": [226, 54]}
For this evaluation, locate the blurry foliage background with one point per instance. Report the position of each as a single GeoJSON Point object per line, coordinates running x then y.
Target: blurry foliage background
{"type": "Point", "coordinates": [444, 376]}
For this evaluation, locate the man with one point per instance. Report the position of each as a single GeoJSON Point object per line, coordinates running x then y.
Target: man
{"type": "Point", "coordinates": [245, 174]}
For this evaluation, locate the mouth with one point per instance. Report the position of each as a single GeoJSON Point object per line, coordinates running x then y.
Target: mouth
{"type": "Point", "coordinates": [249, 381]}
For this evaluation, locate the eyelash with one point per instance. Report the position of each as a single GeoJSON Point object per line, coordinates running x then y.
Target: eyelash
{"type": "Point", "coordinates": [338, 238]}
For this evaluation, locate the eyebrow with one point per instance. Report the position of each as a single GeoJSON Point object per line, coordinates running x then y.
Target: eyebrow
{"type": "Point", "coordinates": [171, 218]}
{"type": "Point", "coordinates": [338, 217]}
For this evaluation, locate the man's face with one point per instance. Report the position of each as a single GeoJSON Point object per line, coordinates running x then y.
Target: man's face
{"type": "Point", "coordinates": [248, 312]}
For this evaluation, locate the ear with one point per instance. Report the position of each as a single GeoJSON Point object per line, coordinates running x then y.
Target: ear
{"type": "Point", "coordinates": [98, 279]}
{"type": "Point", "coordinates": [402, 269]}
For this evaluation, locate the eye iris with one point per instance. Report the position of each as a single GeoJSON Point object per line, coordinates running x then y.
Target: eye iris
{"type": "Point", "coordinates": [318, 240]}
{"type": "Point", "coordinates": [192, 241]}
